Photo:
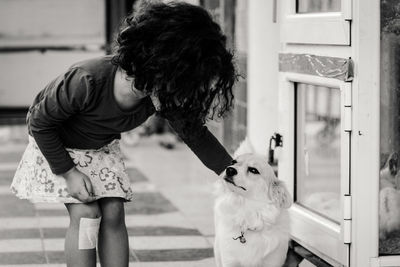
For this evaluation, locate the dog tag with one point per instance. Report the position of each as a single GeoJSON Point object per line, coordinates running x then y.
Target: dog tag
{"type": "Point", "coordinates": [241, 238]}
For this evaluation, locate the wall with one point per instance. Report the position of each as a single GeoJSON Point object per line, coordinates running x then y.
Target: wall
{"type": "Point", "coordinates": [262, 78]}
{"type": "Point", "coordinates": [39, 39]}
{"type": "Point", "coordinates": [233, 18]}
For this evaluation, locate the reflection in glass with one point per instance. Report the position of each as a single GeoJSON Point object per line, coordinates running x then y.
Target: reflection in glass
{"type": "Point", "coordinates": [389, 180]}
{"type": "Point", "coordinates": [318, 149]}
{"type": "Point", "coordinates": [315, 6]}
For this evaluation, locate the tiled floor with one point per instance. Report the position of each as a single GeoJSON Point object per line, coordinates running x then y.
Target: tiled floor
{"type": "Point", "coordinates": [169, 222]}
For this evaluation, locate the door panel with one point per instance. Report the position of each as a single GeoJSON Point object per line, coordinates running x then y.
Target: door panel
{"type": "Point", "coordinates": [318, 149]}
{"type": "Point", "coordinates": [316, 22]}
{"type": "Point", "coordinates": [314, 162]}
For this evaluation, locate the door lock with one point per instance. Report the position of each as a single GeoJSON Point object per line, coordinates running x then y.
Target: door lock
{"type": "Point", "coordinates": [278, 142]}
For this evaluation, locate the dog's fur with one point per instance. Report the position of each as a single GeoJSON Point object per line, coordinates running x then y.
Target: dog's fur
{"type": "Point", "coordinates": [389, 197]}
{"type": "Point", "coordinates": [254, 204]}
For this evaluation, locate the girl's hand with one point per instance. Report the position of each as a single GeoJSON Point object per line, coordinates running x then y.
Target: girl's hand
{"type": "Point", "coordinates": [79, 185]}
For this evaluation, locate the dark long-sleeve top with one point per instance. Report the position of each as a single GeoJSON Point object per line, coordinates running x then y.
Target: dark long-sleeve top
{"type": "Point", "coordinates": [78, 110]}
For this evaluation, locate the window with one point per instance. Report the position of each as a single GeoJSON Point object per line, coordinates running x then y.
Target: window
{"type": "Point", "coordinates": [316, 22]}
{"type": "Point", "coordinates": [314, 6]}
{"type": "Point", "coordinates": [318, 149]}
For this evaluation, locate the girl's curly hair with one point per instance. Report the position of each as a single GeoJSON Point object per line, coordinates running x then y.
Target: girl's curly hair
{"type": "Point", "coordinates": [178, 53]}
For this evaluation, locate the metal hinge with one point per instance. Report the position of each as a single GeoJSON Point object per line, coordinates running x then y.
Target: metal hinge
{"type": "Point", "coordinates": [346, 176]}
{"type": "Point", "coordinates": [347, 217]}
{"type": "Point", "coordinates": [347, 103]}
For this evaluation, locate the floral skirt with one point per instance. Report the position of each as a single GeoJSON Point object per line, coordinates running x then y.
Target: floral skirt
{"type": "Point", "coordinates": [105, 168]}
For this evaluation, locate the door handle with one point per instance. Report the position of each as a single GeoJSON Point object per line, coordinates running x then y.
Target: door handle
{"type": "Point", "coordinates": [278, 142]}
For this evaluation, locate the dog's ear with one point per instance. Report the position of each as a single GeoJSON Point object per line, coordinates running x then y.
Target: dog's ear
{"type": "Point", "coordinates": [393, 163]}
{"type": "Point", "coordinates": [280, 195]}
{"type": "Point", "coordinates": [245, 147]}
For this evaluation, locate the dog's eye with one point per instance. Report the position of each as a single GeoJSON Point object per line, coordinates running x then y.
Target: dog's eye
{"type": "Point", "coordinates": [233, 162]}
{"type": "Point", "coordinates": [253, 170]}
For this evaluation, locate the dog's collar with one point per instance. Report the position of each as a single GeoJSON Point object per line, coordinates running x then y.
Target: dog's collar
{"type": "Point", "coordinates": [241, 238]}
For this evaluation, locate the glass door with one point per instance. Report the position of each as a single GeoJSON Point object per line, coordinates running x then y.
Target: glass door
{"type": "Point", "coordinates": [389, 178]}
{"type": "Point", "coordinates": [316, 21]}
{"type": "Point", "coordinates": [315, 116]}
{"type": "Point", "coordinates": [317, 142]}
{"type": "Point", "coordinates": [315, 121]}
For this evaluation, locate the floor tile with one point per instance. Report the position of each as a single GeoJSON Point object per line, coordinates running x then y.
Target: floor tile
{"type": "Point", "coordinates": [19, 223]}
{"type": "Point", "coordinates": [21, 245]}
{"type": "Point", "coordinates": [174, 219]}
{"type": "Point", "coordinates": [160, 235]}
{"type": "Point", "coordinates": [136, 176]}
{"type": "Point", "coordinates": [19, 233]}
{"type": "Point", "coordinates": [181, 178]}
{"type": "Point", "coordinates": [19, 207]}
{"type": "Point", "coordinates": [149, 203]}
{"type": "Point", "coordinates": [143, 243]}
{"type": "Point", "coordinates": [35, 265]}
{"type": "Point", "coordinates": [6, 176]}
{"type": "Point", "coordinates": [174, 254]}
{"type": "Point", "coordinates": [142, 203]}
{"type": "Point", "coordinates": [5, 190]}
{"type": "Point", "coordinates": [55, 256]}
{"type": "Point", "coordinates": [53, 244]}
{"type": "Point", "coordinates": [210, 239]}
{"type": "Point", "coordinates": [208, 262]}
{"type": "Point", "coordinates": [143, 187]}
{"type": "Point", "coordinates": [132, 231]}
{"type": "Point", "coordinates": [17, 258]}
{"type": "Point", "coordinates": [11, 156]}
{"type": "Point", "coordinates": [162, 231]}
{"type": "Point", "coordinates": [56, 212]}
{"type": "Point", "coordinates": [54, 221]}
{"type": "Point", "coordinates": [49, 206]}
{"type": "Point", "coordinates": [167, 242]}
{"type": "Point", "coordinates": [54, 232]}
{"type": "Point", "coordinates": [59, 257]}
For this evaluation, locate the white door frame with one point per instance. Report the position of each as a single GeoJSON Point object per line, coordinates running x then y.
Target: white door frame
{"type": "Point", "coordinates": [320, 235]}
{"type": "Point", "coordinates": [328, 28]}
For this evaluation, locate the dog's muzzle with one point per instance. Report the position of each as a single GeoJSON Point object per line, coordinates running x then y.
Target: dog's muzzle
{"type": "Point", "coordinates": [229, 179]}
{"type": "Point", "coordinates": [230, 172]}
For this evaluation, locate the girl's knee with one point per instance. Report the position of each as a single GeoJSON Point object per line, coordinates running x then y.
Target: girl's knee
{"type": "Point", "coordinates": [87, 210]}
{"type": "Point", "coordinates": [113, 214]}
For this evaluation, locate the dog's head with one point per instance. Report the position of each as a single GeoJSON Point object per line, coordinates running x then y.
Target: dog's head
{"type": "Point", "coordinates": [251, 177]}
{"type": "Point", "coordinates": [390, 170]}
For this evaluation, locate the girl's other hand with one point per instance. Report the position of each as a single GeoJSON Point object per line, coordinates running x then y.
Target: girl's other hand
{"type": "Point", "coordinates": [79, 185]}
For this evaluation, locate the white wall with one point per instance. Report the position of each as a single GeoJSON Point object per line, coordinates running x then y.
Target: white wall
{"type": "Point", "coordinates": [24, 74]}
{"type": "Point", "coordinates": [262, 74]}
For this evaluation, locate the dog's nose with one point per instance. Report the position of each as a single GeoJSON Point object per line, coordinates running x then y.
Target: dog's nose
{"type": "Point", "coordinates": [230, 171]}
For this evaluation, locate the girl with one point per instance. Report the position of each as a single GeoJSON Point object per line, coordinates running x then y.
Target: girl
{"type": "Point", "coordinates": [171, 59]}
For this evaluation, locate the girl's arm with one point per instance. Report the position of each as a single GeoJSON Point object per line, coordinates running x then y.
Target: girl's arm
{"type": "Point", "coordinates": [64, 97]}
{"type": "Point", "coordinates": [204, 144]}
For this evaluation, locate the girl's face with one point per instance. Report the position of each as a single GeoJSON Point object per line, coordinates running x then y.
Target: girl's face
{"type": "Point", "coordinates": [137, 93]}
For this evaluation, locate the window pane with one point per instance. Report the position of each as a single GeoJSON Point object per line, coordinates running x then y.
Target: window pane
{"type": "Point", "coordinates": [314, 6]}
{"type": "Point", "coordinates": [318, 149]}
{"type": "Point", "coordinates": [389, 193]}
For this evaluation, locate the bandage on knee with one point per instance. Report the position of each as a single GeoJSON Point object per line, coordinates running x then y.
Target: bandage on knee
{"type": "Point", "coordinates": [88, 232]}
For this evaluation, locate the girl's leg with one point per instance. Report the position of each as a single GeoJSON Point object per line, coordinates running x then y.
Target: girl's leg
{"type": "Point", "coordinates": [113, 236]}
{"type": "Point", "coordinates": [79, 257]}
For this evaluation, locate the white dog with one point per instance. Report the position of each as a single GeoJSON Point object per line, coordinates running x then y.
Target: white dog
{"type": "Point", "coordinates": [251, 220]}
{"type": "Point", "coordinates": [389, 197]}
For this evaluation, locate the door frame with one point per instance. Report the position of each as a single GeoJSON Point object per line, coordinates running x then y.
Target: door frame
{"type": "Point", "coordinates": [327, 28]}
{"type": "Point", "coordinates": [305, 224]}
